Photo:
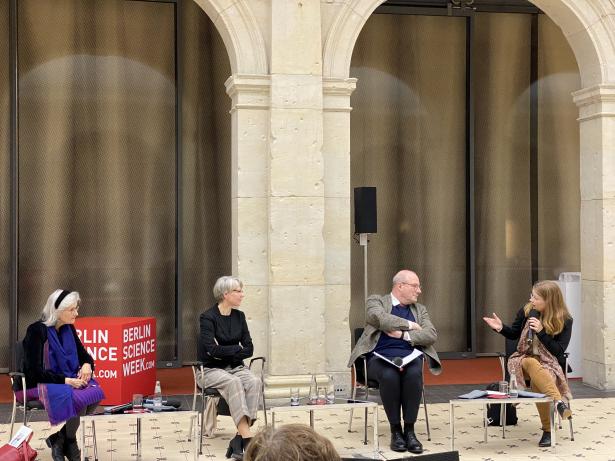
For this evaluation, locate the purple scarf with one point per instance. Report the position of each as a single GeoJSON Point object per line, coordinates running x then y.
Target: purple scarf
{"type": "Point", "coordinates": [62, 401]}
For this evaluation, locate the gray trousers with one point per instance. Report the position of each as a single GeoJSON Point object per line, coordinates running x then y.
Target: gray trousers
{"type": "Point", "coordinates": [238, 386]}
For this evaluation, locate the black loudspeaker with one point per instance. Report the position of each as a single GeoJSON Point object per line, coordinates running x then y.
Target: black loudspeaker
{"type": "Point", "coordinates": [365, 215]}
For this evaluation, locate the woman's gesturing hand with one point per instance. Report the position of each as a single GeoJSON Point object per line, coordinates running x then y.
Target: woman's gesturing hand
{"type": "Point", "coordinates": [75, 382]}
{"type": "Point", "coordinates": [494, 322]}
{"type": "Point", "coordinates": [85, 373]}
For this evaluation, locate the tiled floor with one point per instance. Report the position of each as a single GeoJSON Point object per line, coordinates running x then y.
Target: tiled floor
{"type": "Point", "coordinates": [165, 437]}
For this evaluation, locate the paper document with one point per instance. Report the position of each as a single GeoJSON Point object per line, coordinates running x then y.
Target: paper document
{"type": "Point", "coordinates": [401, 362]}
{"type": "Point", "coordinates": [22, 434]}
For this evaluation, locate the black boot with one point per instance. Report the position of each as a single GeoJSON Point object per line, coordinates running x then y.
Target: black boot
{"type": "Point", "coordinates": [71, 450]}
{"type": "Point", "coordinates": [56, 443]}
{"type": "Point", "coordinates": [397, 440]}
{"type": "Point", "coordinates": [245, 442]}
{"type": "Point", "coordinates": [545, 440]}
{"type": "Point", "coordinates": [413, 444]}
{"type": "Point", "coordinates": [235, 448]}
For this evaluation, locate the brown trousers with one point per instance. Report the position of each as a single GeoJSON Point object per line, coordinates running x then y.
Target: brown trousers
{"type": "Point", "coordinates": [541, 381]}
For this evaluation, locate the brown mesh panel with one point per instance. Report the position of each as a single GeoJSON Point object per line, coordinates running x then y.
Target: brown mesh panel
{"type": "Point", "coordinates": [502, 181]}
{"type": "Point", "coordinates": [408, 140]}
{"type": "Point", "coordinates": [559, 194]}
{"type": "Point", "coordinates": [97, 158]}
{"type": "Point", "coordinates": [206, 139]}
{"type": "Point", "coordinates": [5, 183]}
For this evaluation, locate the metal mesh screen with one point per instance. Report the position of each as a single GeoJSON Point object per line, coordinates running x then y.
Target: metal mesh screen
{"type": "Point", "coordinates": [502, 181]}
{"type": "Point", "coordinates": [559, 194]}
{"type": "Point", "coordinates": [408, 140]}
{"type": "Point", "coordinates": [206, 139]}
{"type": "Point", "coordinates": [5, 182]}
{"type": "Point", "coordinates": [97, 158]}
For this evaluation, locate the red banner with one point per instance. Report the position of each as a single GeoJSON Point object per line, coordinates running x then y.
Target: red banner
{"type": "Point", "coordinates": [124, 352]}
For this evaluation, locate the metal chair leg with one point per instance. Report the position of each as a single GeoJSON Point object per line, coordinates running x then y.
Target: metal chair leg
{"type": "Point", "coordinates": [570, 423]}
{"type": "Point", "coordinates": [204, 400]}
{"type": "Point", "coordinates": [264, 404]}
{"type": "Point", "coordinates": [353, 394]}
{"type": "Point", "coordinates": [13, 417]}
{"type": "Point", "coordinates": [426, 415]}
{"type": "Point", "coordinates": [192, 419]}
{"type": "Point", "coordinates": [94, 441]}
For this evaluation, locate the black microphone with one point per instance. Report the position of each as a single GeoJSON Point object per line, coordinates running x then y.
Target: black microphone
{"type": "Point", "coordinates": [398, 361]}
{"type": "Point", "coordinates": [530, 335]}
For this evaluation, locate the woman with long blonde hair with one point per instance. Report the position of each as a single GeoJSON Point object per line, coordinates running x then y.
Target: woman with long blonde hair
{"type": "Point", "coordinates": [543, 327]}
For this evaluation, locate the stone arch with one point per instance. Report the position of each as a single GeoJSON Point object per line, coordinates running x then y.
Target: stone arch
{"type": "Point", "coordinates": [586, 24]}
{"type": "Point", "coordinates": [240, 33]}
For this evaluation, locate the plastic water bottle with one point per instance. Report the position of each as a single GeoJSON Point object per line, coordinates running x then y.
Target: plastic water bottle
{"type": "Point", "coordinates": [157, 397]}
{"type": "Point", "coordinates": [513, 388]}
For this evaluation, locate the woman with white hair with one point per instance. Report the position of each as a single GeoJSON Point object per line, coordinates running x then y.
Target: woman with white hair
{"type": "Point", "coordinates": [59, 371]}
{"type": "Point", "coordinates": [224, 342]}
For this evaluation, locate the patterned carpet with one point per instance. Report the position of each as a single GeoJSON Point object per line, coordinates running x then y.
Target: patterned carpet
{"type": "Point", "coordinates": [165, 437]}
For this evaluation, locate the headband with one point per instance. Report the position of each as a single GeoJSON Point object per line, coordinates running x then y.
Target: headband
{"type": "Point", "coordinates": [61, 297]}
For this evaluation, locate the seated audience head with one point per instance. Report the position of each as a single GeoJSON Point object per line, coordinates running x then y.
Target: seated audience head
{"type": "Point", "coordinates": [291, 442]}
{"type": "Point", "coordinates": [61, 305]}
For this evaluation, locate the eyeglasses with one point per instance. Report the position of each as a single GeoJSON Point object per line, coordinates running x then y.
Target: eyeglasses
{"type": "Point", "coordinates": [416, 286]}
{"type": "Point", "coordinates": [237, 291]}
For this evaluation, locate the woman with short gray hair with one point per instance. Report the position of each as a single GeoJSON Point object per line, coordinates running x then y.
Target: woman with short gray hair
{"type": "Point", "coordinates": [224, 342]}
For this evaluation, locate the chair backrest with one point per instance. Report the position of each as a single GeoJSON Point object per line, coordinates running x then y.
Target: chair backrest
{"type": "Point", "coordinates": [358, 363]}
{"type": "Point", "coordinates": [18, 355]}
{"type": "Point", "coordinates": [18, 360]}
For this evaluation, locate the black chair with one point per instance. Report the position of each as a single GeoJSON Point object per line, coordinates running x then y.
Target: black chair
{"type": "Point", "coordinates": [208, 393]}
{"type": "Point", "coordinates": [510, 346]}
{"type": "Point", "coordinates": [20, 399]}
{"type": "Point", "coordinates": [361, 382]}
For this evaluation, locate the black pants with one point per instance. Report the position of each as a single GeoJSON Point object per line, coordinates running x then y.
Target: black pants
{"type": "Point", "coordinates": [399, 390]}
{"type": "Point", "coordinates": [70, 427]}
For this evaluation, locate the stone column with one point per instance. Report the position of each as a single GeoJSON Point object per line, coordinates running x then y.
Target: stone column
{"type": "Point", "coordinates": [597, 133]}
{"type": "Point", "coordinates": [337, 227]}
{"type": "Point", "coordinates": [249, 197]}
{"type": "Point", "coordinates": [296, 197]}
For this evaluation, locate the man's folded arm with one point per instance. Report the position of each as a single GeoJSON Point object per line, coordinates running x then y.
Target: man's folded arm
{"type": "Point", "coordinates": [379, 318]}
{"type": "Point", "coordinates": [427, 335]}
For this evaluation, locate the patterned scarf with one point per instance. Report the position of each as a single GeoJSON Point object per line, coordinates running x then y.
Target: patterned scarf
{"type": "Point", "coordinates": [538, 351]}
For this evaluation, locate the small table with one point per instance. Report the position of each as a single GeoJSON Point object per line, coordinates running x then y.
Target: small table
{"type": "Point", "coordinates": [194, 415]}
{"type": "Point", "coordinates": [340, 403]}
{"type": "Point", "coordinates": [485, 401]}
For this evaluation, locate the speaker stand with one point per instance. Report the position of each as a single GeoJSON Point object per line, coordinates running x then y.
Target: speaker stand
{"type": "Point", "coordinates": [363, 243]}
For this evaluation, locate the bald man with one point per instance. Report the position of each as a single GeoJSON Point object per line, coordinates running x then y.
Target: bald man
{"type": "Point", "coordinates": [396, 325]}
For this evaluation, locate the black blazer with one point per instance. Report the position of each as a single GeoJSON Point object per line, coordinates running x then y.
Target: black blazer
{"type": "Point", "coordinates": [556, 345]}
{"type": "Point", "coordinates": [223, 341]}
{"type": "Point", "coordinates": [33, 366]}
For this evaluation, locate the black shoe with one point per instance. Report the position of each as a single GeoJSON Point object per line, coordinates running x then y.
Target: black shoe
{"type": "Point", "coordinates": [397, 441]}
{"type": "Point", "coordinates": [71, 450]}
{"type": "Point", "coordinates": [56, 443]}
{"type": "Point", "coordinates": [235, 448]}
{"type": "Point", "coordinates": [545, 440]}
{"type": "Point", "coordinates": [413, 444]}
{"type": "Point", "coordinates": [563, 409]}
